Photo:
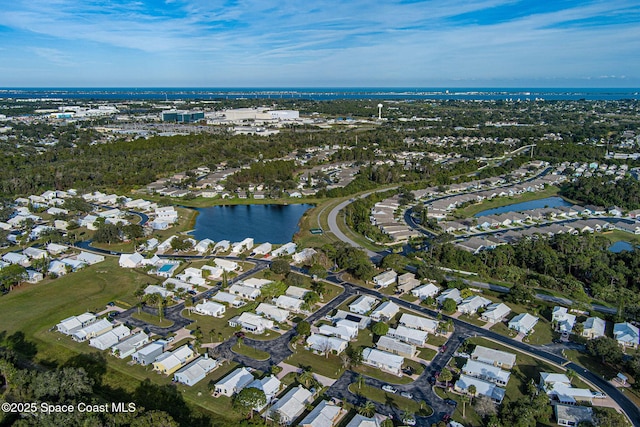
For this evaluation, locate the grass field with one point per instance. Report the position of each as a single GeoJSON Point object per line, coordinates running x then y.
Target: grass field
{"type": "Point", "coordinates": [152, 319]}
{"type": "Point", "coordinates": [249, 351]}
{"type": "Point", "coordinates": [395, 400]}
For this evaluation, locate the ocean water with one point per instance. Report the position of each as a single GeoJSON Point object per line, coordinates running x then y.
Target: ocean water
{"type": "Point", "coordinates": [523, 94]}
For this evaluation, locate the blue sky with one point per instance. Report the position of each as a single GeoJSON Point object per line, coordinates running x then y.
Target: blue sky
{"type": "Point", "coordinates": [320, 43]}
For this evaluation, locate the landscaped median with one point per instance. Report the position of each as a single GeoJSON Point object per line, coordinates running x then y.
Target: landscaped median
{"type": "Point", "coordinates": [395, 400]}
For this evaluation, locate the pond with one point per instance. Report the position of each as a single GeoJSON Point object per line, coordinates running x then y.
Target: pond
{"type": "Point", "coordinates": [264, 223]}
{"type": "Point", "coordinates": [620, 246]}
{"type": "Point", "coordinates": [547, 202]}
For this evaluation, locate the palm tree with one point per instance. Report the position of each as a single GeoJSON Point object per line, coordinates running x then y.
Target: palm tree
{"type": "Point", "coordinates": [306, 378]}
{"type": "Point", "coordinates": [571, 374]}
{"type": "Point", "coordinates": [446, 376]}
{"type": "Point", "coordinates": [212, 332]}
{"type": "Point", "coordinates": [360, 381]}
{"type": "Point", "coordinates": [368, 409]}
{"type": "Point", "coordinates": [464, 399]}
{"type": "Point", "coordinates": [472, 391]}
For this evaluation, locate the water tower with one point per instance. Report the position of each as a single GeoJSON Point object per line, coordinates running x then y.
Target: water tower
{"type": "Point", "coordinates": [379, 111]}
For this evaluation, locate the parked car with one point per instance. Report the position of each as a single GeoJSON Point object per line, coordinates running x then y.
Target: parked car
{"type": "Point", "coordinates": [443, 349]}
{"type": "Point", "coordinates": [407, 394]}
{"type": "Point", "coordinates": [451, 402]}
{"type": "Point", "coordinates": [389, 388]}
{"type": "Point", "coordinates": [111, 304]}
{"type": "Point", "coordinates": [431, 380]}
{"type": "Point", "coordinates": [409, 420]}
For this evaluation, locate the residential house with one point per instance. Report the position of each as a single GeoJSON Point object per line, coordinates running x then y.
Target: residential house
{"type": "Point", "coordinates": [383, 360]}
{"type": "Point", "coordinates": [71, 324]}
{"type": "Point", "coordinates": [304, 255]}
{"type": "Point", "coordinates": [523, 323]}
{"type": "Point", "coordinates": [222, 246]}
{"type": "Point", "coordinates": [420, 323]}
{"type": "Point", "coordinates": [593, 327]}
{"type": "Point", "coordinates": [453, 293]}
{"type": "Point", "coordinates": [233, 383]}
{"type": "Point", "coordinates": [110, 337]}
{"type": "Point", "coordinates": [291, 405]}
{"type": "Point", "coordinates": [35, 253]}
{"type": "Point", "coordinates": [385, 279]}
{"type": "Point", "coordinates": [362, 421]}
{"type": "Point", "coordinates": [296, 292]}
{"type": "Point", "coordinates": [326, 414]}
{"type": "Point", "coordinates": [262, 249]}
{"type": "Point", "coordinates": [570, 415]}
{"type": "Point", "coordinates": [155, 289]}
{"type": "Point", "coordinates": [564, 320]}
{"type": "Point", "coordinates": [192, 276]}
{"type": "Point", "coordinates": [425, 291]}
{"type": "Point", "coordinates": [127, 347]}
{"type": "Point", "coordinates": [409, 335]}
{"type": "Point", "coordinates": [483, 388]}
{"type": "Point", "coordinates": [209, 308]}
{"type": "Point", "coordinates": [148, 354]}
{"type": "Point", "coordinates": [472, 304]}
{"type": "Point", "coordinates": [558, 387]}
{"type": "Point", "coordinates": [322, 344]}
{"type": "Point", "coordinates": [360, 320]}
{"type": "Point", "coordinates": [289, 303]}
{"type": "Point", "coordinates": [55, 249]}
{"type": "Point", "coordinates": [363, 305]}
{"type": "Point", "coordinates": [204, 246]}
{"type": "Point", "coordinates": [169, 362]}
{"type": "Point", "coordinates": [244, 245]}
{"type": "Point", "coordinates": [256, 283]}
{"type": "Point", "coordinates": [385, 311]}
{"type": "Point", "coordinates": [16, 259]}
{"type": "Point", "coordinates": [270, 386]}
{"type": "Point", "coordinates": [495, 312]}
{"type": "Point", "coordinates": [92, 330]}
{"type": "Point", "coordinates": [286, 249]}
{"type": "Point", "coordinates": [33, 276]}
{"type": "Point", "coordinates": [134, 260]}
{"type": "Point", "coordinates": [195, 371]}
{"type": "Point", "coordinates": [407, 282]}
{"type": "Point", "coordinates": [226, 265]}
{"type": "Point", "coordinates": [251, 322]}
{"type": "Point", "coordinates": [394, 346]}
{"type": "Point", "coordinates": [485, 372]}
{"type": "Point", "coordinates": [493, 357]}
{"type": "Point", "coordinates": [342, 330]}
{"type": "Point", "coordinates": [227, 298]}
{"type": "Point", "coordinates": [272, 312]}
{"type": "Point", "coordinates": [245, 292]}
{"type": "Point", "coordinates": [89, 258]}
{"type": "Point", "coordinates": [626, 334]}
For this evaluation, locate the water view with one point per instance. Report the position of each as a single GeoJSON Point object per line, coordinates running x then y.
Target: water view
{"type": "Point", "coordinates": [620, 246]}
{"type": "Point", "coordinates": [548, 202]}
{"type": "Point", "coordinates": [265, 223]}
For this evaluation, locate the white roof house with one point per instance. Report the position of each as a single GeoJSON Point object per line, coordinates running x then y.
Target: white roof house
{"type": "Point", "coordinates": [16, 258]}
{"type": "Point", "coordinates": [472, 304]}
{"type": "Point", "coordinates": [270, 386]}
{"type": "Point", "coordinates": [420, 323]}
{"type": "Point", "coordinates": [209, 308]}
{"type": "Point", "coordinates": [361, 320]}
{"type": "Point", "coordinates": [226, 265]}
{"type": "Point", "coordinates": [286, 249]}
{"type": "Point", "coordinates": [289, 303]}
{"type": "Point", "coordinates": [484, 388]}
{"type": "Point", "coordinates": [291, 405]}
{"type": "Point", "coordinates": [323, 344]}
{"type": "Point", "coordinates": [385, 311]}
{"type": "Point", "coordinates": [133, 260]}
{"type": "Point", "coordinates": [71, 324]}
{"type": "Point", "coordinates": [395, 346]}
{"type": "Point", "coordinates": [571, 415]}
{"type": "Point", "coordinates": [215, 272]}
{"type": "Point", "coordinates": [362, 421]}
{"type": "Point", "coordinates": [89, 258]}
{"type": "Point", "coordinates": [272, 312]}
{"type": "Point", "coordinates": [383, 360]}
{"type": "Point", "coordinates": [110, 338]}
{"type": "Point", "coordinates": [244, 245]}
{"type": "Point", "coordinates": [35, 253]}
{"type": "Point", "coordinates": [129, 345]}
{"type": "Point", "coordinates": [227, 298]}
{"type": "Point", "coordinates": [626, 334]}
{"type": "Point", "coordinates": [558, 387]}
{"type": "Point", "coordinates": [195, 371]}
{"type": "Point", "coordinates": [523, 323]}
{"type": "Point", "coordinates": [233, 383]}
{"type": "Point", "coordinates": [486, 372]}
{"type": "Point", "coordinates": [296, 292]}
{"type": "Point", "coordinates": [453, 293]}
{"type": "Point", "coordinates": [92, 330]}
{"type": "Point", "coordinates": [148, 354]}
{"type": "Point", "coordinates": [326, 414]}
{"type": "Point", "coordinates": [594, 327]}
{"type": "Point", "coordinates": [304, 255]}
{"type": "Point", "coordinates": [251, 322]}
{"type": "Point", "coordinates": [425, 291]}
{"type": "Point", "coordinates": [155, 289]}
{"type": "Point", "coordinates": [343, 332]}
{"type": "Point", "coordinates": [386, 278]}
{"type": "Point", "coordinates": [495, 312]}
{"type": "Point", "coordinates": [245, 292]}
{"type": "Point", "coordinates": [407, 282]}
{"type": "Point", "coordinates": [408, 335]}
{"type": "Point", "coordinates": [494, 357]}
{"type": "Point", "coordinates": [256, 283]}
{"type": "Point", "coordinates": [204, 245]}
{"type": "Point", "coordinates": [564, 319]}
{"type": "Point", "coordinates": [222, 246]}
{"type": "Point", "coordinates": [170, 361]}
{"type": "Point", "coordinates": [363, 304]}
{"type": "Point", "coordinates": [55, 249]}
{"type": "Point", "coordinates": [262, 249]}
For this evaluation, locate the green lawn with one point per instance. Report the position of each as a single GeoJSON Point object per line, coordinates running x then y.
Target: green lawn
{"type": "Point", "coordinates": [542, 333]}
{"type": "Point", "coordinates": [593, 364]}
{"type": "Point", "coordinates": [395, 400]}
{"type": "Point", "coordinates": [473, 319]}
{"type": "Point", "coordinates": [427, 353]}
{"type": "Point", "coordinates": [330, 366]}
{"type": "Point", "coordinates": [152, 319]}
{"type": "Point", "coordinates": [437, 340]}
{"type": "Point", "coordinates": [503, 329]}
{"type": "Point", "coordinates": [249, 351]}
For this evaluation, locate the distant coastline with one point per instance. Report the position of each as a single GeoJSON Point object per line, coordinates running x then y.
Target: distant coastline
{"type": "Point", "coordinates": [325, 94]}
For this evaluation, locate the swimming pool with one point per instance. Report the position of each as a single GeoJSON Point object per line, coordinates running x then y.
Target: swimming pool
{"type": "Point", "coordinates": [166, 268]}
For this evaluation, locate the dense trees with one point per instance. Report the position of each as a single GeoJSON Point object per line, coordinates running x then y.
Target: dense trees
{"type": "Point", "coordinates": [605, 192]}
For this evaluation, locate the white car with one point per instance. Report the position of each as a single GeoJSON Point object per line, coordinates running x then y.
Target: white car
{"type": "Point", "coordinates": [409, 420]}
{"type": "Point", "coordinates": [389, 388]}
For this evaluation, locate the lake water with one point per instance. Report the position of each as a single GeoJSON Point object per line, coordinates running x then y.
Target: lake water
{"type": "Point", "coordinates": [621, 246]}
{"type": "Point", "coordinates": [548, 202]}
{"type": "Point", "coordinates": [265, 223]}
